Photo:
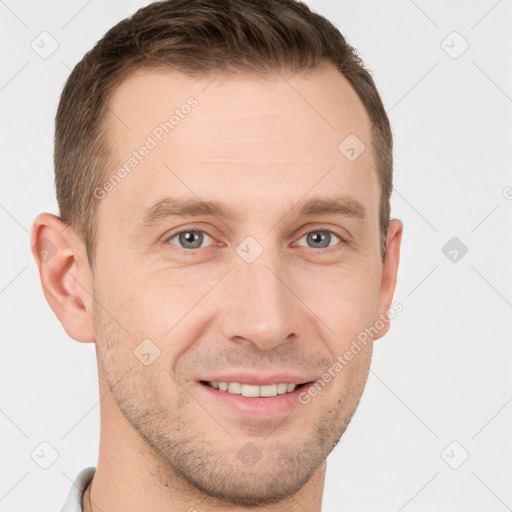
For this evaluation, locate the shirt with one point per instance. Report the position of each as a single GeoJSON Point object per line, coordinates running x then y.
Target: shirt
{"type": "Point", "coordinates": [75, 496]}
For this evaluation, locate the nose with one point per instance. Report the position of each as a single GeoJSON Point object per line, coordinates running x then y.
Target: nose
{"type": "Point", "coordinates": [261, 305]}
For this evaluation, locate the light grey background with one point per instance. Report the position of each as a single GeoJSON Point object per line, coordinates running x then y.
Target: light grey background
{"type": "Point", "coordinates": [442, 374]}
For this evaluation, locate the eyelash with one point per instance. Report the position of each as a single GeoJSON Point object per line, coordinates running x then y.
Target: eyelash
{"type": "Point", "coordinates": [342, 241]}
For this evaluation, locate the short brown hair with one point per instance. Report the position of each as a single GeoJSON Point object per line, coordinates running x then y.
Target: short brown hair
{"type": "Point", "coordinates": [198, 37]}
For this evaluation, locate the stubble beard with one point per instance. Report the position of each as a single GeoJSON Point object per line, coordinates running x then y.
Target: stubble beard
{"type": "Point", "coordinates": [182, 450]}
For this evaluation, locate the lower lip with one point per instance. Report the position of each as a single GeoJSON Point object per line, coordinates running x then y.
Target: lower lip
{"type": "Point", "coordinates": [255, 407]}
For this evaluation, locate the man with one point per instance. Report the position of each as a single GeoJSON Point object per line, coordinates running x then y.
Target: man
{"type": "Point", "coordinates": [223, 171]}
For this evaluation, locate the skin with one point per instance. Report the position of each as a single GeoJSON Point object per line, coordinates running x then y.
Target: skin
{"type": "Point", "coordinates": [260, 147]}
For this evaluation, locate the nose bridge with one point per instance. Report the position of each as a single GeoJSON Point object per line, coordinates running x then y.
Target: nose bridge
{"type": "Point", "coordinates": [261, 308]}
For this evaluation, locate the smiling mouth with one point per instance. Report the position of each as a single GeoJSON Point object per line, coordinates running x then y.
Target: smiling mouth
{"type": "Point", "coordinates": [254, 391]}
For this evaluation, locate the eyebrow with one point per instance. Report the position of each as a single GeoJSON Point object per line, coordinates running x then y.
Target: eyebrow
{"type": "Point", "coordinates": [177, 207]}
{"type": "Point", "coordinates": [343, 205]}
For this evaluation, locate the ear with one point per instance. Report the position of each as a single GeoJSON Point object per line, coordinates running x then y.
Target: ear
{"type": "Point", "coordinates": [389, 272]}
{"type": "Point", "coordinates": [65, 274]}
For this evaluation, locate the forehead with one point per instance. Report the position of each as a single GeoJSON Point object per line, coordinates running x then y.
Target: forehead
{"type": "Point", "coordinates": [320, 104]}
{"type": "Point", "coordinates": [236, 136]}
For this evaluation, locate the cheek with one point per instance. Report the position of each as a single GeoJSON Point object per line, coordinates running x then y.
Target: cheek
{"type": "Point", "coordinates": [159, 303]}
{"type": "Point", "coordinates": [136, 367]}
{"type": "Point", "coordinates": [346, 300]}
{"type": "Point", "coordinates": [172, 317]}
{"type": "Point", "coordinates": [145, 308]}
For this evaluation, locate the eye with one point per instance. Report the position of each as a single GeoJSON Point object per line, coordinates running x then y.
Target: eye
{"type": "Point", "coordinates": [320, 238]}
{"type": "Point", "coordinates": [190, 239]}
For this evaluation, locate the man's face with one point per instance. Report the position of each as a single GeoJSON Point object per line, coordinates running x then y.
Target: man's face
{"type": "Point", "coordinates": [268, 295]}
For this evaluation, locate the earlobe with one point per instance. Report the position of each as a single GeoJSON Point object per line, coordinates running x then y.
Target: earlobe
{"type": "Point", "coordinates": [65, 274]}
{"type": "Point", "coordinates": [389, 272]}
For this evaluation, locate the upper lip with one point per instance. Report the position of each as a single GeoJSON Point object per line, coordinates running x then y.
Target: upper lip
{"type": "Point", "coordinates": [259, 379]}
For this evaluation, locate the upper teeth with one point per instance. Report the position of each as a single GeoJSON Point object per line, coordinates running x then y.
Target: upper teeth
{"type": "Point", "coordinates": [251, 390]}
